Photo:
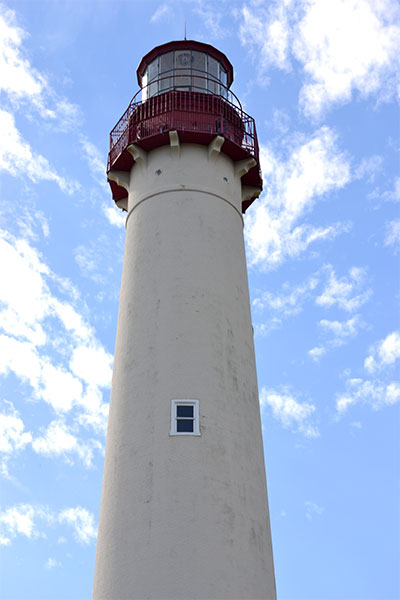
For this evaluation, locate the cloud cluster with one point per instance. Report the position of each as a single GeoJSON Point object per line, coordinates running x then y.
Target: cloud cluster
{"type": "Point", "coordinates": [313, 510]}
{"type": "Point", "coordinates": [275, 228]}
{"type": "Point", "coordinates": [374, 392]}
{"type": "Point", "coordinates": [384, 353]}
{"type": "Point", "coordinates": [343, 292]}
{"type": "Point", "coordinates": [49, 346]}
{"type": "Point", "coordinates": [29, 521]}
{"type": "Point", "coordinates": [344, 47]}
{"type": "Point", "coordinates": [22, 83]}
{"type": "Point", "coordinates": [392, 237]}
{"type": "Point", "coordinates": [25, 89]}
{"type": "Point", "coordinates": [327, 290]}
{"type": "Point", "coordinates": [13, 436]}
{"type": "Point", "coordinates": [290, 412]}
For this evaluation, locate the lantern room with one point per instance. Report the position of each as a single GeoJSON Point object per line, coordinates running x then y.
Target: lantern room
{"type": "Point", "coordinates": [197, 68]}
{"type": "Point", "coordinates": [184, 87]}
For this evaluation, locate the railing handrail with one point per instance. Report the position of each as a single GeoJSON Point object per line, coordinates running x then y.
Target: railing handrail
{"type": "Point", "coordinates": [192, 102]}
{"type": "Point", "coordinates": [133, 104]}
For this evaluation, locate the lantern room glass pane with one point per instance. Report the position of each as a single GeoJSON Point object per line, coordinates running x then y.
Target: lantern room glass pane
{"type": "Point", "coordinates": [199, 73]}
{"type": "Point", "coordinates": [166, 82]}
{"type": "Point", "coordinates": [184, 70]}
{"type": "Point", "coordinates": [183, 60]}
{"type": "Point", "coordinates": [152, 70]}
{"type": "Point", "coordinates": [152, 74]}
{"type": "Point", "coordinates": [224, 76]}
{"type": "Point", "coordinates": [144, 86]}
{"type": "Point", "coordinates": [199, 61]}
{"type": "Point", "coordinates": [213, 68]}
{"type": "Point", "coordinates": [166, 62]}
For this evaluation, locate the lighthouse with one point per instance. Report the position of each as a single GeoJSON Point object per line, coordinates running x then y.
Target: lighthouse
{"type": "Point", "coordinates": [184, 509]}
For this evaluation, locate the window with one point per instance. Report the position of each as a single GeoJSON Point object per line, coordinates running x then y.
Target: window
{"type": "Point", "coordinates": [185, 417]}
{"type": "Point", "coordinates": [183, 70]}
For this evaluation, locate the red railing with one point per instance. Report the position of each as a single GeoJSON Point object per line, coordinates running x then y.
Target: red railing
{"type": "Point", "coordinates": [185, 111]}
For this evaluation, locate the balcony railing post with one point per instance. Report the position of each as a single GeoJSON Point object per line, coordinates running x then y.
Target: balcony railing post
{"type": "Point", "coordinates": [204, 111]}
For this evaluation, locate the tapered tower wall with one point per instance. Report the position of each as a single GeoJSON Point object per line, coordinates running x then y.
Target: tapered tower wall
{"type": "Point", "coordinates": [184, 516]}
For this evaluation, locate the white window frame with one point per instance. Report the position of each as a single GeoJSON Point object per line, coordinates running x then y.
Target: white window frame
{"type": "Point", "coordinates": [182, 402]}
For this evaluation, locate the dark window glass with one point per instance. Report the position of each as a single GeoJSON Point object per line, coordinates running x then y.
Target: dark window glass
{"type": "Point", "coordinates": [184, 425]}
{"type": "Point", "coordinates": [184, 411]}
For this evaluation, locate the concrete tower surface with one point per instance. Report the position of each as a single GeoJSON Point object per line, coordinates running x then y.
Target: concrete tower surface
{"type": "Point", "coordinates": [184, 510]}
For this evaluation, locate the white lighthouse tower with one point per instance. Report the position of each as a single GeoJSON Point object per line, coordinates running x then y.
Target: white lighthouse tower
{"type": "Point", "coordinates": [184, 510]}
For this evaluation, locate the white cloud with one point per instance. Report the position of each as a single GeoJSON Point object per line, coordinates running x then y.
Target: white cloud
{"type": "Point", "coordinates": [92, 364]}
{"type": "Point", "coordinates": [13, 436]}
{"type": "Point", "coordinates": [30, 521]}
{"type": "Point", "coordinates": [24, 84]}
{"type": "Point", "coordinates": [375, 393]}
{"type": "Point", "coordinates": [315, 167]}
{"type": "Point", "coordinates": [21, 520]}
{"type": "Point", "coordinates": [213, 16]}
{"type": "Point", "coordinates": [114, 215]}
{"type": "Point", "coordinates": [343, 291]}
{"type": "Point", "coordinates": [97, 166]}
{"type": "Point", "coordinates": [317, 353]}
{"type": "Point", "coordinates": [49, 346]}
{"type": "Point", "coordinates": [324, 288]}
{"type": "Point", "coordinates": [162, 11]}
{"type": "Point", "coordinates": [59, 440]}
{"type": "Point", "coordinates": [369, 168]}
{"type": "Point", "coordinates": [313, 510]}
{"type": "Point", "coordinates": [341, 332]}
{"type": "Point", "coordinates": [384, 353]}
{"type": "Point", "coordinates": [27, 90]}
{"type": "Point", "coordinates": [51, 563]}
{"type": "Point", "coordinates": [96, 161]}
{"type": "Point", "coordinates": [291, 413]}
{"type": "Point", "coordinates": [341, 329]}
{"type": "Point", "coordinates": [18, 159]}
{"type": "Point", "coordinates": [290, 301]}
{"type": "Point", "coordinates": [267, 34]}
{"type": "Point", "coordinates": [392, 237]}
{"type": "Point", "coordinates": [82, 522]}
{"type": "Point", "coordinates": [391, 195]}
{"type": "Point", "coordinates": [344, 46]}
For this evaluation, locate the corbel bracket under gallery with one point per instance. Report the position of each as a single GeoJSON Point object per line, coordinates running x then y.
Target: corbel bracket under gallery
{"type": "Point", "coordinates": [214, 147]}
{"type": "Point", "coordinates": [243, 166]}
{"type": "Point", "coordinates": [250, 192]}
{"type": "Point", "coordinates": [174, 142]}
{"type": "Point", "coordinates": [138, 154]}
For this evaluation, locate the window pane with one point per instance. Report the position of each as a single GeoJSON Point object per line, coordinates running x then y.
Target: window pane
{"type": "Point", "coordinates": [224, 76]}
{"type": "Point", "coordinates": [184, 426]}
{"type": "Point", "coordinates": [182, 69]}
{"type": "Point", "coordinates": [184, 411]}
{"type": "Point", "coordinates": [153, 88]}
{"type": "Point", "coordinates": [152, 69]}
{"type": "Point", "coordinates": [213, 74]}
{"type": "Point", "coordinates": [166, 81]}
{"type": "Point", "coordinates": [198, 61]}
{"type": "Point", "coordinates": [166, 62]}
{"type": "Point", "coordinates": [199, 68]}
{"type": "Point", "coordinates": [144, 84]}
{"type": "Point", "coordinates": [183, 59]}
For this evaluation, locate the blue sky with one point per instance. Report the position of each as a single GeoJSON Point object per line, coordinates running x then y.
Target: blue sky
{"type": "Point", "coordinates": [321, 79]}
